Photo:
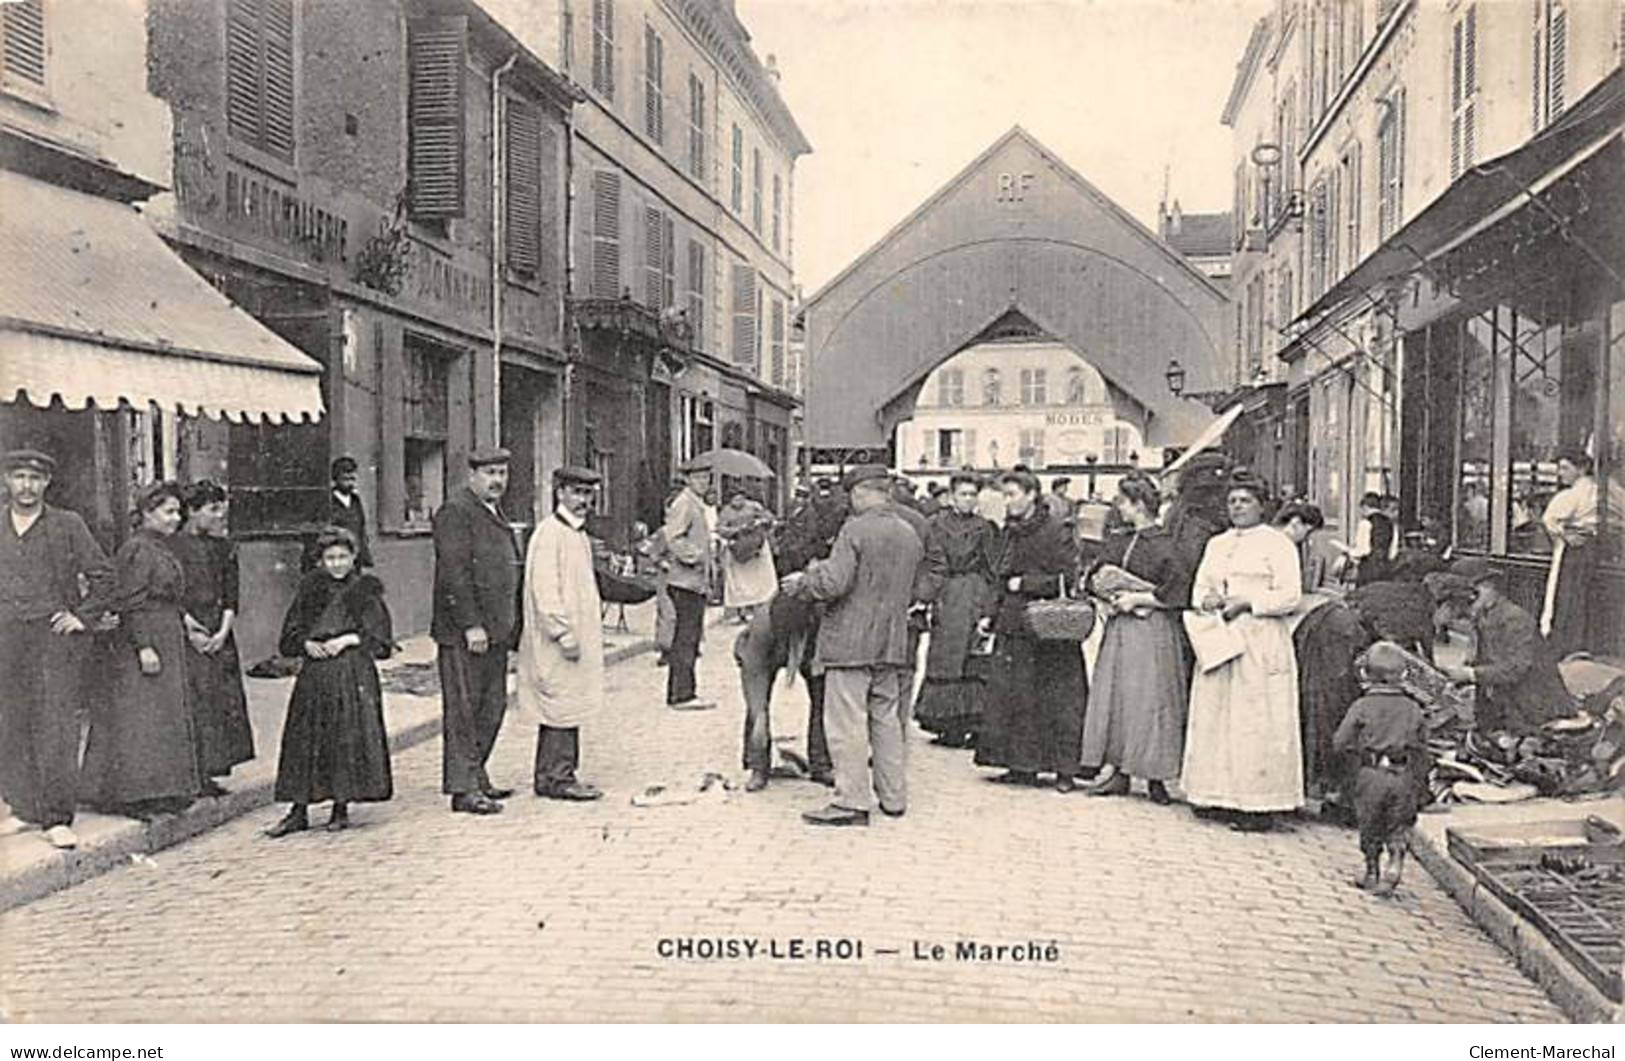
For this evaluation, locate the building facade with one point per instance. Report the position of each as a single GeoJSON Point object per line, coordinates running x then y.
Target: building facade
{"type": "Point", "coordinates": [1413, 125]}
{"type": "Point", "coordinates": [382, 186]}
{"type": "Point", "coordinates": [109, 341]}
{"type": "Point", "coordinates": [1018, 246]}
{"type": "Point", "coordinates": [680, 279]}
{"type": "Point", "coordinates": [1021, 398]}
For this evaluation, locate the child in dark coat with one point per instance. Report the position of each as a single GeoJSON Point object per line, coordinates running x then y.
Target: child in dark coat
{"type": "Point", "coordinates": [1386, 732]}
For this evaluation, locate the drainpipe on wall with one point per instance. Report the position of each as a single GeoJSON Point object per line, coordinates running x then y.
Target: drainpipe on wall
{"type": "Point", "coordinates": [498, 212]}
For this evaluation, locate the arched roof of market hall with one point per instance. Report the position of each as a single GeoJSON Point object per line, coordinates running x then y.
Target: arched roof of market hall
{"type": "Point", "coordinates": [1017, 231]}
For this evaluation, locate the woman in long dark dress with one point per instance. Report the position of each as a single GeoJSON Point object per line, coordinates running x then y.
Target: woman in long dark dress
{"type": "Point", "coordinates": [1136, 716]}
{"type": "Point", "coordinates": [957, 579]}
{"type": "Point", "coordinates": [141, 754]}
{"type": "Point", "coordinates": [1034, 709]}
{"type": "Point", "coordinates": [213, 671]}
{"type": "Point", "coordinates": [334, 746]}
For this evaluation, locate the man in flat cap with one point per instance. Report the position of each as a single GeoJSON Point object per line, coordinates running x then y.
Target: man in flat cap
{"type": "Point", "coordinates": [1519, 686]}
{"type": "Point", "coordinates": [344, 509]}
{"type": "Point", "coordinates": [476, 623]}
{"type": "Point", "coordinates": [45, 552]}
{"type": "Point", "coordinates": [866, 584]}
{"type": "Point", "coordinates": [561, 652]}
{"type": "Point", "coordinates": [687, 538]}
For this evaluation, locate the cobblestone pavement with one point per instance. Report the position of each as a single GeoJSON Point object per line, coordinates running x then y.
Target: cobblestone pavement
{"type": "Point", "coordinates": [555, 911]}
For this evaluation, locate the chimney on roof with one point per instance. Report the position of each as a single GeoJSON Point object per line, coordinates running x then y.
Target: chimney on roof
{"type": "Point", "coordinates": [773, 67]}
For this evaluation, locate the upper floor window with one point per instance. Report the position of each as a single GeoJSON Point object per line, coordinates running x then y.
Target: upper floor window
{"type": "Point", "coordinates": [737, 190]}
{"type": "Point", "coordinates": [437, 50]}
{"type": "Point", "coordinates": [1034, 386]}
{"type": "Point", "coordinates": [1391, 165]}
{"type": "Point", "coordinates": [1463, 92]}
{"type": "Point", "coordinates": [696, 127]}
{"type": "Point", "coordinates": [992, 387]}
{"type": "Point", "coordinates": [1349, 167]}
{"type": "Point", "coordinates": [756, 189]}
{"type": "Point", "coordinates": [1550, 62]}
{"type": "Point", "coordinates": [603, 48]}
{"type": "Point", "coordinates": [22, 46]}
{"type": "Point", "coordinates": [654, 85]}
{"type": "Point", "coordinates": [660, 259]}
{"type": "Point", "coordinates": [567, 37]}
{"type": "Point", "coordinates": [951, 387]}
{"type": "Point", "coordinates": [778, 210]}
{"type": "Point", "coordinates": [746, 300]}
{"type": "Point", "coordinates": [523, 201]}
{"type": "Point", "coordinates": [696, 292]}
{"type": "Point", "coordinates": [1077, 387]}
{"type": "Point", "coordinates": [606, 234]}
{"type": "Point", "coordinates": [259, 74]}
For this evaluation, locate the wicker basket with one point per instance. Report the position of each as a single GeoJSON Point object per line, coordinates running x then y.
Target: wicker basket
{"type": "Point", "coordinates": [1061, 619]}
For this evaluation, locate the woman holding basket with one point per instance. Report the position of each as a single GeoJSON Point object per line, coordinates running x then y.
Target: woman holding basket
{"type": "Point", "coordinates": [1034, 710]}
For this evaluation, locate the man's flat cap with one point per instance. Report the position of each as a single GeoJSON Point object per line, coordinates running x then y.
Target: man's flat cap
{"type": "Point", "coordinates": [864, 473]}
{"type": "Point", "coordinates": [31, 459]}
{"type": "Point", "coordinates": [574, 475]}
{"type": "Point", "coordinates": [484, 455]}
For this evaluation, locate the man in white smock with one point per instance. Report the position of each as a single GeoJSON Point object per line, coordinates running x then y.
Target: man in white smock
{"type": "Point", "coordinates": [561, 653]}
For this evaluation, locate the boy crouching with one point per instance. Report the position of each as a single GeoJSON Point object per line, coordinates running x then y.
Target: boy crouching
{"type": "Point", "coordinates": [1386, 730]}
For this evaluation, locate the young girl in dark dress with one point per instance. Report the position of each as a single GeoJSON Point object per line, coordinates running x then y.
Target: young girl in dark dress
{"type": "Point", "coordinates": [334, 746]}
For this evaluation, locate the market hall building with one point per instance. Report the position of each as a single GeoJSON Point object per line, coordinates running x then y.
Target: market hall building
{"type": "Point", "coordinates": [1018, 259]}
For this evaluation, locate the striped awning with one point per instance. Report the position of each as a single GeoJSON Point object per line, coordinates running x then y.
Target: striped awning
{"type": "Point", "coordinates": [95, 309]}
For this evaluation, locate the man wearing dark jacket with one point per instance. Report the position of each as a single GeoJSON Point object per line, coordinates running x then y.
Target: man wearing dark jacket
{"type": "Point", "coordinates": [1519, 686]}
{"type": "Point", "coordinates": [44, 638]}
{"type": "Point", "coordinates": [867, 584]}
{"type": "Point", "coordinates": [476, 623]}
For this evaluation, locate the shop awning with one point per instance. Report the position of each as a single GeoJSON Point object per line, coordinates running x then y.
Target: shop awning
{"type": "Point", "coordinates": [1489, 192]}
{"type": "Point", "coordinates": [96, 309]}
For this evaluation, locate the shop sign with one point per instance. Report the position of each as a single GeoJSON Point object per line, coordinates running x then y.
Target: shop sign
{"type": "Point", "coordinates": [435, 279]}
{"type": "Point", "coordinates": [274, 211]}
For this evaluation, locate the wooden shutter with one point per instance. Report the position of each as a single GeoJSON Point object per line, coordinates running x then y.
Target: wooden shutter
{"type": "Point", "coordinates": [654, 257]}
{"type": "Point", "coordinates": [1558, 47]}
{"type": "Point", "coordinates": [23, 53]}
{"type": "Point", "coordinates": [603, 47]}
{"type": "Point", "coordinates": [776, 339]}
{"type": "Point", "coordinates": [744, 315]}
{"type": "Point", "coordinates": [606, 234]}
{"type": "Point", "coordinates": [668, 262]}
{"type": "Point", "coordinates": [260, 73]}
{"type": "Point", "coordinates": [437, 50]}
{"type": "Point", "coordinates": [278, 131]}
{"type": "Point", "coordinates": [696, 291]}
{"type": "Point", "coordinates": [654, 92]}
{"type": "Point", "coordinates": [524, 199]}
{"type": "Point", "coordinates": [696, 127]}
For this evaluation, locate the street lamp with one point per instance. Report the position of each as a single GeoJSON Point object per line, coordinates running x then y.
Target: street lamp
{"type": "Point", "coordinates": [1175, 377]}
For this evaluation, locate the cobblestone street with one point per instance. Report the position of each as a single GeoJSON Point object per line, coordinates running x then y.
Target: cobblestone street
{"type": "Point", "coordinates": [554, 911]}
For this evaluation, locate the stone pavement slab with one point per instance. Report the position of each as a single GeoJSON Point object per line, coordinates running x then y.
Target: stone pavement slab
{"type": "Point", "coordinates": [606, 911]}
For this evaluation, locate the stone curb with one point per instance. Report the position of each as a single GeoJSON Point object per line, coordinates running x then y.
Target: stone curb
{"type": "Point", "coordinates": [1534, 954]}
{"type": "Point", "coordinates": [145, 838]}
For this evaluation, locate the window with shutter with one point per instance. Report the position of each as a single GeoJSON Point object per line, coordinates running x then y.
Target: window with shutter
{"type": "Point", "coordinates": [1317, 239]}
{"type": "Point", "coordinates": [260, 74]}
{"type": "Point", "coordinates": [524, 188]}
{"type": "Point", "coordinates": [744, 347]}
{"type": "Point", "coordinates": [1352, 207]}
{"type": "Point", "coordinates": [1463, 91]}
{"type": "Point", "coordinates": [1390, 165]}
{"type": "Point", "coordinates": [738, 189]}
{"type": "Point", "coordinates": [778, 210]}
{"type": "Point", "coordinates": [668, 262]}
{"type": "Point", "coordinates": [22, 44]}
{"type": "Point", "coordinates": [696, 291]}
{"type": "Point", "coordinates": [756, 189]}
{"type": "Point", "coordinates": [696, 127]}
{"type": "Point", "coordinates": [1537, 93]}
{"type": "Point", "coordinates": [653, 256]}
{"type": "Point", "coordinates": [1558, 36]}
{"type": "Point", "coordinates": [437, 50]}
{"type": "Point", "coordinates": [606, 234]}
{"type": "Point", "coordinates": [603, 48]}
{"type": "Point", "coordinates": [777, 340]}
{"type": "Point", "coordinates": [654, 86]}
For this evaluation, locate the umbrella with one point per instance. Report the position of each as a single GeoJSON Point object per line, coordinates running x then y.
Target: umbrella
{"type": "Point", "coordinates": [735, 462]}
{"type": "Point", "coordinates": [1214, 432]}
